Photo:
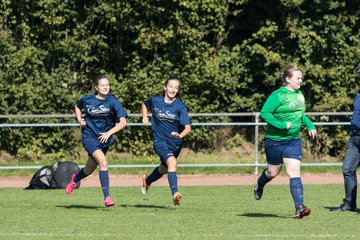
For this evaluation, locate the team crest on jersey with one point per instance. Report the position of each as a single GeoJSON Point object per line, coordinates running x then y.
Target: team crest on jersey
{"type": "Point", "coordinates": [166, 114]}
{"type": "Point", "coordinates": [301, 98]}
{"type": "Point", "coordinates": [97, 110]}
{"type": "Point", "coordinates": [300, 104]}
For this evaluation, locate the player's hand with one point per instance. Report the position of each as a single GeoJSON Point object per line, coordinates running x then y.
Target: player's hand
{"type": "Point", "coordinates": [175, 134]}
{"type": "Point", "coordinates": [82, 122]}
{"type": "Point", "coordinates": [312, 133]}
{"type": "Point", "coordinates": [288, 125]}
{"type": "Point", "coordinates": [104, 137]}
{"type": "Point", "coordinates": [145, 121]}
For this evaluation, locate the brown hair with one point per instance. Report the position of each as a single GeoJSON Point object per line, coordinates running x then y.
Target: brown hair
{"type": "Point", "coordinates": [179, 93]}
{"type": "Point", "coordinates": [98, 78]}
{"type": "Point", "coordinates": [288, 72]}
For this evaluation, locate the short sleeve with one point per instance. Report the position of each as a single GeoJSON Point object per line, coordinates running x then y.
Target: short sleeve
{"type": "Point", "coordinates": [80, 103]}
{"type": "Point", "coordinates": [184, 116]}
{"type": "Point", "coordinates": [148, 102]}
{"type": "Point", "coordinates": [119, 109]}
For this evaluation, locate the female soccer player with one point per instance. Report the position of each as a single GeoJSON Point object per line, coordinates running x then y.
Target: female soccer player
{"type": "Point", "coordinates": [170, 124]}
{"type": "Point", "coordinates": [98, 127]}
{"type": "Point", "coordinates": [284, 113]}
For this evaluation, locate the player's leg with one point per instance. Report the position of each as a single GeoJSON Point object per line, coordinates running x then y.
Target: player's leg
{"type": "Point", "coordinates": [161, 150]}
{"type": "Point", "coordinates": [273, 150]}
{"type": "Point", "coordinates": [292, 161]}
{"type": "Point", "coordinates": [296, 187]}
{"type": "Point", "coordinates": [156, 174]}
{"type": "Point", "coordinates": [89, 168]}
{"type": "Point", "coordinates": [100, 157]}
{"type": "Point", "coordinates": [266, 176]}
{"type": "Point", "coordinates": [172, 178]}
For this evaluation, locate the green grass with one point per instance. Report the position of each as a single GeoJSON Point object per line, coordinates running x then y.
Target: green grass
{"type": "Point", "coordinates": [185, 170]}
{"type": "Point", "coordinates": [185, 157]}
{"type": "Point", "coordinates": [225, 212]}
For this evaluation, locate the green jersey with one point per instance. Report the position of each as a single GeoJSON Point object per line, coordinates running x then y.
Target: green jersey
{"type": "Point", "coordinates": [284, 106]}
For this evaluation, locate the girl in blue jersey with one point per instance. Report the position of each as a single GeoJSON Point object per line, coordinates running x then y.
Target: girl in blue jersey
{"type": "Point", "coordinates": [170, 123]}
{"type": "Point", "coordinates": [98, 126]}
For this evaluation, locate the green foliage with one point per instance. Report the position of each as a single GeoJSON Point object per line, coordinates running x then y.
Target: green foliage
{"type": "Point", "coordinates": [229, 55]}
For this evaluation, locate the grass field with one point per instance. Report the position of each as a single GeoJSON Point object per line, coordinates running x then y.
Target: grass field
{"type": "Point", "coordinates": [185, 157]}
{"type": "Point", "coordinates": [185, 170]}
{"type": "Point", "coordinates": [226, 212]}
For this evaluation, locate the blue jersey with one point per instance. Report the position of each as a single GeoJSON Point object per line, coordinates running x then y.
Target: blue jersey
{"type": "Point", "coordinates": [355, 119]}
{"type": "Point", "coordinates": [100, 115]}
{"type": "Point", "coordinates": [167, 118]}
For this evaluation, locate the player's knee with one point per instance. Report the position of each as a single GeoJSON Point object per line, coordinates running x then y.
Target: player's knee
{"type": "Point", "coordinates": [162, 170]}
{"type": "Point", "coordinates": [172, 164]}
{"type": "Point", "coordinates": [103, 165]}
{"type": "Point", "coordinates": [293, 173]}
{"type": "Point", "coordinates": [271, 174]}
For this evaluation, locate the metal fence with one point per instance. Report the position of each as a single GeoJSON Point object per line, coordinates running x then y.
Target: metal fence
{"type": "Point", "coordinates": [255, 123]}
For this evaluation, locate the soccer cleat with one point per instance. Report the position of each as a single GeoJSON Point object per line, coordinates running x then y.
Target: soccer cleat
{"type": "Point", "coordinates": [302, 211]}
{"type": "Point", "coordinates": [258, 192]}
{"type": "Point", "coordinates": [176, 198]}
{"type": "Point", "coordinates": [71, 185]}
{"type": "Point", "coordinates": [109, 202]}
{"type": "Point", "coordinates": [145, 187]}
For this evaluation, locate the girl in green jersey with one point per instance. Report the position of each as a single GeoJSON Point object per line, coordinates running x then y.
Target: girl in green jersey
{"type": "Point", "coordinates": [284, 113]}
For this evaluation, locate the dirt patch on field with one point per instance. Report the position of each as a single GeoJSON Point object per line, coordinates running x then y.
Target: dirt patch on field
{"type": "Point", "coordinates": [188, 180]}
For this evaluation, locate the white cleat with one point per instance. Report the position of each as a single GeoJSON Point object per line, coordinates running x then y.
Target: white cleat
{"type": "Point", "coordinates": [145, 187]}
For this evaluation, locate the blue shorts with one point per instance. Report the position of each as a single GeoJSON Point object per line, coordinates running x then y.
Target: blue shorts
{"type": "Point", "coordinates": [92, 144]}
{"type": "Point", "coordinates": [165, 151]}
{"type": "Point", "coordinates": [277, 150]}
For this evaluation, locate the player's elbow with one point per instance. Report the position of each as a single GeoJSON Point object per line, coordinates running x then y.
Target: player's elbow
{"type": "Point", "coordinates": [123, 122]}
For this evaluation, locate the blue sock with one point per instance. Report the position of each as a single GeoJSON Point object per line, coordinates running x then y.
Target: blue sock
{"type": "Point", "coordinates": [104, 180]}
{"type": "Point", "coordinates": [296, 189]}
{"type": "Point", "coordinates": [80, 175]}
{"type": "Point", "coordinates": [263, 179]}
{"type": "Point", "coordinates": [155, 175]}
{"type": "Point", "coordinates": [172, 178]}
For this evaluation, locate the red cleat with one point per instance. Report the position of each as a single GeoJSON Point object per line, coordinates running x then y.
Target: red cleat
{"type": "Point", "coordinates": [302, 212]}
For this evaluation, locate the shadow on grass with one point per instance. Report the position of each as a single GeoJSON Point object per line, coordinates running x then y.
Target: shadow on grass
{"type": "Point", "coordinates": [147, 206]}
{"type": "Point", "coordinates": [80, 207]}
{"type": "Point", "coordinates": [260, 215]}
{"type": "Point", "coordinates": [331, 209]}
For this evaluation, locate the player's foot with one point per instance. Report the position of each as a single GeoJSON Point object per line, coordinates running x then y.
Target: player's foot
{"type": "Point", "coordinates": [344, 207]}
{"type": "Point", "coordinates": [145, 187]}
{"type": "Point", "coordinates": [258, 191]}
{"type": "Point", "coordinates": [109, 202]}
{"type": "Point", "coordinates": [176, 198]}
{"type": "Point", "coordinates": [301, 212]}
{"type": "Point", "coordinates": [71, 185]}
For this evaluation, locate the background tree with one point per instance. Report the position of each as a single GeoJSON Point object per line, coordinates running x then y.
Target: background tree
{"type": "Point", "coordinates": [229, 55]}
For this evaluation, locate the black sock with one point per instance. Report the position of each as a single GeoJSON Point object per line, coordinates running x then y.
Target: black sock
{"type": "Point", "coordinates": [155, 175]}
{"type": "Point", "coordinates": [80, 175]}
{"type": "Point", "coordinates": [263, 179]}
